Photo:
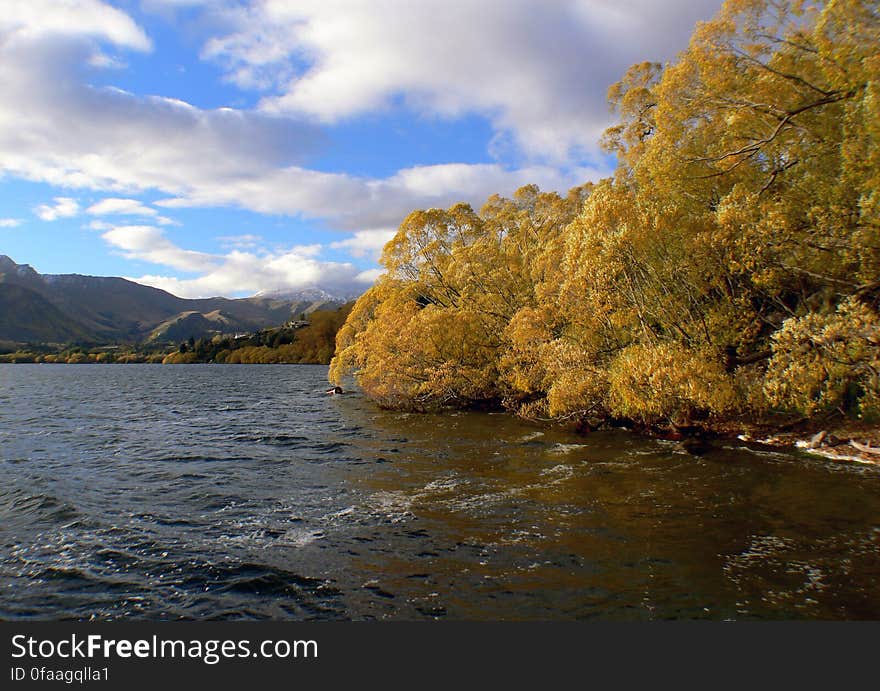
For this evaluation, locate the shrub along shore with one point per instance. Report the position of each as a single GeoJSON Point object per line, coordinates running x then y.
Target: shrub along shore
{"type": "Point", "coordinates": [727, 277]}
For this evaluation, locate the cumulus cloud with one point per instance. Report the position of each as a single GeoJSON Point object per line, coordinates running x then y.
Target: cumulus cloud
{"type": "Point", "coordinates": [368, 277]}
{"type": "Point", "coordinates": [64, 207]}
{"type": "Point", "coordinates": [122, 207]}
{"type": "Point", "coordinates": [353, 203]}
{"type": "Point", "coordinates": [106, 62]}
{"type": "Point", "coordinates": [38, 18]}
{"type": "Point", "coordinates": [248, 273]}
{"type": "Point", "coordinates": [538, 70]}
{"type": "Point", "coordinates": [238, 272]}
{"type": "Point", "coordinates": [9, 222]}
{"type": "Point", "coordinates": [115, 206]}
{"type": "Point", "coordinates": [148, 243]}
{"type": "Point", "coordinates": [78, 136]}
{"type": "Point", "coordinates": [366, 243]}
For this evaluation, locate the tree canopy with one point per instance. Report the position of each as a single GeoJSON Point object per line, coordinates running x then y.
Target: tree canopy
{"type": "Point", "coordinates": [730, 266]}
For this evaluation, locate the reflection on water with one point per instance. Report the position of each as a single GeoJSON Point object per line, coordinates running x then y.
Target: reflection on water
{"type": "Point", "coordinates": [244, 492]}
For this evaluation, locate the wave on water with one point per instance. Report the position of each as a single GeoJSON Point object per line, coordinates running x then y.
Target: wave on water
{"type": "Point", "coordinates": [241, 493]}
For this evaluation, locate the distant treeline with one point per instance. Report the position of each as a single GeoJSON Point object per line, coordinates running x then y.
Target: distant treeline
{"type": "Point", "coordinates": [729, 269]}
{"type": "Point", "coordinates": [76, 355]}
{"type": "Point", "coordinates": [306, 344]}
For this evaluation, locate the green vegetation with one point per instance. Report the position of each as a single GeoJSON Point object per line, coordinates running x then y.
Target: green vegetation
{"type": "Point", "coordinates": [729, 270]}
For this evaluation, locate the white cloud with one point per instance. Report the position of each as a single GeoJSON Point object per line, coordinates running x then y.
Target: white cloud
{"type": "Point", "coordinates": [56, 129]}
{"type": "Point", "coordinates": [366, 243]}
{"type": "Point", "coordinates": [248, 273]}
{"type": "Point", "coordinates": [126, 207]}
{"type": "Point", "coordinates": [103, 61]}
{"type": "Point", "coordinates": [9, 223]}
{"type": "Point", "coordinates": [149, 243]}
{"type": "Point", "coordinates": [368, 277]}
{"type": "Point", "coordinates": [538, 70]}
{"type": "Point", "coordinates": [123, 207]}
{"type": "Point", "coordinates": [354, 203]}
{"type": "Point", "coordinates": [239, 271]}
{"type": "Point", "coordinates": [36, 18]}
{"type": "Point", "coordinates": [64, 207]}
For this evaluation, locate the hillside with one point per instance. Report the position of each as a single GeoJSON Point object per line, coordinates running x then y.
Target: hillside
{"type": "Point", "coordinates": [27, 316]}
{"type": "Point", "coordinates": [90, 309]}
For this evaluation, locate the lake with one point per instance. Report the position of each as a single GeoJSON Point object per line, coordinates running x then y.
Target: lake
{"type": "Point", "coordinates": [243, 492]}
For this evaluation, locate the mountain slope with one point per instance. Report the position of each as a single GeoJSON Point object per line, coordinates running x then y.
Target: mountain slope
{"type": "Point", "coordinates": [90, 309]}
{"type": "Point", "coordinates": [26, 316]}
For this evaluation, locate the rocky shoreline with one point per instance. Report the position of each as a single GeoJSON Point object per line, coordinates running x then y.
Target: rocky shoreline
{"type": "Point", "coordinates": [846, 441]}
{"type": "Point", "coordinates": [843, 444]}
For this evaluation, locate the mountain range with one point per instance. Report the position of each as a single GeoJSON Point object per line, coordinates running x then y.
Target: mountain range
{"type": "Point", "coordinates": [70, 308]}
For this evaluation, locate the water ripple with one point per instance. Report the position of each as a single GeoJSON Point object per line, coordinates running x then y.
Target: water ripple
{"type": "Point", "coordinates": [225, 492]}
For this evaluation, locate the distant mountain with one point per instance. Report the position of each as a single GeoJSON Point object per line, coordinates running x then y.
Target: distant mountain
{"type": "Point", "coordinates": [89, 309]}
{"type": "Point", "coordinates": [306, 295]}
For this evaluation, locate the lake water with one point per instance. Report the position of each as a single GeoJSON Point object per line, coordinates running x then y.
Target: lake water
{"type": "Point", "coordinates": [243, 492]}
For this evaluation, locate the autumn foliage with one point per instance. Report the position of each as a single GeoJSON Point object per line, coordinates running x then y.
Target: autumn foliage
{"type": "Point", "coordinates": [730, 267]}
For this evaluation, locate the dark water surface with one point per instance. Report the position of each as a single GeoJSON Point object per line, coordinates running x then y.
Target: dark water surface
{"type": "Point", "coordinates": [235, 492]}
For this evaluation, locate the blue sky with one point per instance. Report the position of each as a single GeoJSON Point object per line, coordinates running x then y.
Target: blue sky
{"type": "Point", "coordinates": [231, 147]}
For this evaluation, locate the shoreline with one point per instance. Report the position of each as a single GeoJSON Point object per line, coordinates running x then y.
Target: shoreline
{"type": "Point", "coordinates": [842, 447]}
{"type": "Point", "coordinates": [844, 441]}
